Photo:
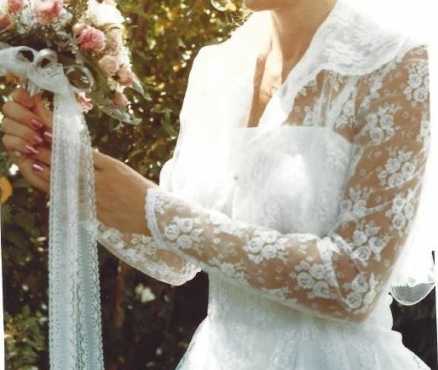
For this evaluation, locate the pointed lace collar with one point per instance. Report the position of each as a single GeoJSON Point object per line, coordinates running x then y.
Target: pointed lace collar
{"type": "Point", "coordinates": [347, 41]}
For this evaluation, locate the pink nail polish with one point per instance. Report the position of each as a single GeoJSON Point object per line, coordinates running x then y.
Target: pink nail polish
{"type": "Point", "coordinates": [48, 135]}
{"type": "Point", "coordinates": [36, 124]}
{"type": "Point", "coordinates": [30, 149]}
{"type": "Point", "coordinates": [36, 167]}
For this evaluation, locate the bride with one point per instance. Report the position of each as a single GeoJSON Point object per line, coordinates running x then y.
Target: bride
{"type": "Point", "coordinates": [294, 184]}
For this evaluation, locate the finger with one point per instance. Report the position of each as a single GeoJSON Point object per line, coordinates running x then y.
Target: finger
{"type": "Point", "coordinates": [42, 111]}
{"type": "Point", "coordinates": [23, 115]}
{"type": "Point", "coordinates": [17, 158]}
{"type": "Point", "coordinates": [21, 96]}
{"type": "Point", "coordinates": [43, 155]}
{"type": "Point", "coordinates": [100, 160]}
{"type": "Point", "coordinates": [41, 170]}
{"type": "Point", "coordinates": [38, 181]}
{"type": "Point", "coordinates": [15, 143]}
{"type": "Point", "coordinates": [14, 128]}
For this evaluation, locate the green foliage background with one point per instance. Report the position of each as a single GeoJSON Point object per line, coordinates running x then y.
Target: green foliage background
{"type": "Point", "coordinates": [147, 324]}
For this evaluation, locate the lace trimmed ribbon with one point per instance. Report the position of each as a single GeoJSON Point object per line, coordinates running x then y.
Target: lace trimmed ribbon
{"type": "Point", "coordinates": [75, 341]}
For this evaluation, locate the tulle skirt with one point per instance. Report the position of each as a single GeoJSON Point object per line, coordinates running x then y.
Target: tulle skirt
{"type": "Point", "coordinates": [308, 343]}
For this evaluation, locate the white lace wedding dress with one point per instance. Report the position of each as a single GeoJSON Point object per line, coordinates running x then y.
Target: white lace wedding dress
{"type": "Point", "coordinates": [300, 221]}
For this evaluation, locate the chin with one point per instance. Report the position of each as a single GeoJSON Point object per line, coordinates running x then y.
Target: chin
{"type": "Point", "coordinates": [257, 5]}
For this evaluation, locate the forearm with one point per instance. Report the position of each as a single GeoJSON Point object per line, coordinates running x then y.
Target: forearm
{"type": "Point", "coordinates": [143, 254]}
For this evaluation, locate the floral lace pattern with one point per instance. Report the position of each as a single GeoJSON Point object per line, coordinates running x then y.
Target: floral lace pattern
{"type": "Point", "coordinates": [341, 274]}
{"type": "Point", "coordinates": [141, 252]}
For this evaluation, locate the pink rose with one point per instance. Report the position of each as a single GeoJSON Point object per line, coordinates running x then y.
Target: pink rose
{"type": "Point", "coordinates": [47, 11]}
{"type": "Point", "coordinates": [15, 6]}
{"type": "Point", "coordinates": [109, 64]}
{"type": "Point", "coordinates": [5, 21]}
{"type": "Point", "coordinates": [84, 101]}
{"type": "Point", "coordinates": [120, 100]}
{"type": "Point", "coordinates": [126, 76]}
{"type": "Point", "coordinates": [92, 39]}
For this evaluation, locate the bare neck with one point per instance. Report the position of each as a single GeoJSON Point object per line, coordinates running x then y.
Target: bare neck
{"type": "Point", "coordinates": [293, 27]}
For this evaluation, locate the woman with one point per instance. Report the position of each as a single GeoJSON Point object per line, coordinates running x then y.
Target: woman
{"type": "Point", "coordinates": [294, 183]}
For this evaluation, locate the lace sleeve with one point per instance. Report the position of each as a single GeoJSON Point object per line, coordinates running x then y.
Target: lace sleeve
{"type": "Point", "coordinates": [340, 275]}
{"type": "Point", "coordinates": [140, 251]}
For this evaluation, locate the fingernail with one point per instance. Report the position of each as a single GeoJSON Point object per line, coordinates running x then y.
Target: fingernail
{"type": "Point", "coordinates": [39, 139]}
{"type": "Point", "coordinates": [36, 124]}
{"type": "Point", "coordinates": [48, 135]}
{"type": "Point", "coordinates": [36, 167]}
{"type": "Point", "coordinates": [30, 149]}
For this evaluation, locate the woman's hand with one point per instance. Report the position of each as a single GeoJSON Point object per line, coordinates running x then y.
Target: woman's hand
{"type": "Point", "coordinates": [27, 128]}
{"type": "Point", "coordinates": [120, 191]}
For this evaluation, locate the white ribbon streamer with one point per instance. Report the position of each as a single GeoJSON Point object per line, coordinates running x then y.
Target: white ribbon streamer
{"type": "Point", "coordinates": [75, 341]}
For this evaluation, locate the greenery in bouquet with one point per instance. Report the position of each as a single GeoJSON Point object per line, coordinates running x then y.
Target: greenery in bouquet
{"type": "Point", "coordinates": [90, 42]}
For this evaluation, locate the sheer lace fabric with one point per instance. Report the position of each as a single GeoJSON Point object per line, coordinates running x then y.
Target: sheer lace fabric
{"type": "Point", "coordinates": [341, 274]}
{"type": "Point", "coordinates": [301, 221]}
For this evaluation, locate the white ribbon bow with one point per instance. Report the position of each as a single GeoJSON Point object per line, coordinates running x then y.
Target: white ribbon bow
{"type": "Point", "coordinates": [75, 341]}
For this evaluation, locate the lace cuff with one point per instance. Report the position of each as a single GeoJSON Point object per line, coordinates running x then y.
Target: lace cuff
{"type": "Point", "coordinates": [144, 254]}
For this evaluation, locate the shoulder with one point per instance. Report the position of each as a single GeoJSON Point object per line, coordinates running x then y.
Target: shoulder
{"type": "Point", "coordinates": [360, 43]}
{"type": "Point", "coordinates": [410, 62]}
{"type": "Point", "coordinates": [207, 60]}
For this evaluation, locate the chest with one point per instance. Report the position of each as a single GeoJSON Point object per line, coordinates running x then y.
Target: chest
{"type": "Point", "coordinates": [290, 178]}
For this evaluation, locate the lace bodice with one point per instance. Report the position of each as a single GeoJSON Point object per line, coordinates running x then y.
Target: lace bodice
{"type": "Point", "coordinates": [319, 223]}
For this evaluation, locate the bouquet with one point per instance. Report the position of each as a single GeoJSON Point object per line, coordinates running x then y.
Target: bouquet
{"type": "Point", "coordinates": [87, 38]}
{"type": "Point", "coordinates": [75, 50]}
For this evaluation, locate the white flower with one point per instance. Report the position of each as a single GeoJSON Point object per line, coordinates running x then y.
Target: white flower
{"type": "Point", "coordinates": [101, 14]}
{"type": "Point", "coordinates": [376, 134]}
{"type": "Point", "coordinates": [268, 251]}
{"type": "Point", "coordinates": [171, 232]}
{"type": "Point", "coordinates": [317, 271]}
{"type": "Point", "coordinates": [305, 280]}
{"type": "Point", "coordinates": [363, 253]}
{"type": "Point", "coordinates": [359, 284]}
{"type": "Point", "coordinates": [145, 293]}
{"type": "Point", "coordinates": [415, 80]}
{"type": "Point", "coordinates": [321, 289]}
{"type": "Point", "coordinates": [395, 180]}
{"type": "Point", "coordinates": [386, 121]}
{"type": "Point", "coordinates": [359, 208]}
{"type": "Point", "coordinates": [185, 224]}
{"type": "Point", "coordinates": [255, 245]}
{"type": "Point", "coordinates": [398, 222]}
{"type": "Point", "coordinates": [184, 242]}
{"type": "Point", "coordinates": [359, 237]}
{"type": "Point", "coordinates": [376, 244]}
{"type": "Point", "coordinates": [408, 169]}
{"type": "Point", "coordinates": [354, 300]}
{"type": "Point", "coordinates": [393, 165]}
{"type": "Point", "coordinates": [420, 95]}
{"type": "Point", "coordinates": [398, 204]}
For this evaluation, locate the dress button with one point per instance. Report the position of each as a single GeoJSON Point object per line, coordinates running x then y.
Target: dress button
{"type": "Point", "coordinates": [235, 177]}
